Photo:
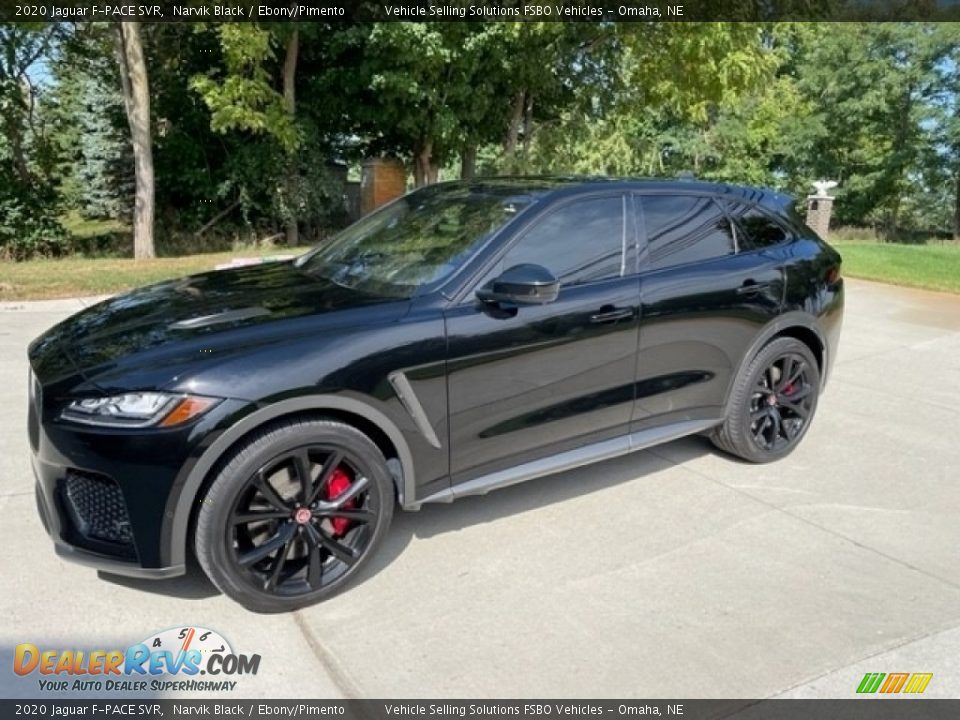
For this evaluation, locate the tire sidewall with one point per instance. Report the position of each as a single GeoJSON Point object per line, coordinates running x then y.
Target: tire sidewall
{"type": "Point", "coordinates": [215, 510]}
{"type": "Point", "coordinates": [771, 352]}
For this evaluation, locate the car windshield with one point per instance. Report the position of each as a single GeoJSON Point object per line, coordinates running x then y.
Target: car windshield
{"type": "Point", "coordinates": [415, 242]}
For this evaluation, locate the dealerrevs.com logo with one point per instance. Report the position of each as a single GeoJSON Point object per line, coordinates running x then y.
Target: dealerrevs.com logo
{"type": "Point", "coordinates": [171, 660]}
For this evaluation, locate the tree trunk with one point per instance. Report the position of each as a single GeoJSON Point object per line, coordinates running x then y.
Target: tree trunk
{"type": "Point", "coordinates": [290, 102]}
{"type": "Point", "coordinates": [468, 161]}
{"type": "Point", "coordinates": [424, 171]}
{"type": "Point", "coordinates": [136, 100]}
{"type": "Point", "coordinates": [513, 124]}
{"type": "Point", "coordinates": [527, 124]}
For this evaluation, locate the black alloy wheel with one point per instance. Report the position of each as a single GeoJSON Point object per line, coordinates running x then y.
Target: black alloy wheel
{"type": "Point", "coordinates": [293, 514]}
{"type": "Point", "coordinates": [781, 402]}
{"type": "Point", "coordinates": [303, 520]}
{"type": "Point", "coordinates": [772, 403]}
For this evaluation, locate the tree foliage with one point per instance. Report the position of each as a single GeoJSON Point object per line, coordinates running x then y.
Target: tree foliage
{"type": "Point", "coordinates": [28, 203]}
{"type": "Point", "coordinates": [241, 94]}
{"type": "Point", "coordinates": [250, 122]}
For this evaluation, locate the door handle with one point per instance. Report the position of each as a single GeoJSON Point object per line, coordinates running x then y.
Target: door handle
{"type": "Point", "coordinates": [750, 287]}
{"type": "Point", "coordinates": [612, 315]}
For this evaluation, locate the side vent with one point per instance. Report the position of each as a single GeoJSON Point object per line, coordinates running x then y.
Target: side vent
{"type": "Point", "coordinates": [401, 386]}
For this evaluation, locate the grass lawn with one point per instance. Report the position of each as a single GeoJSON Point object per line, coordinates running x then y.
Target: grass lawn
{"type": "Point", "coordinates": [78, 276]}
{"type": "Point", "coordinates": [83, 228]}
{"type": "Point", "coordinates": [932, 267]}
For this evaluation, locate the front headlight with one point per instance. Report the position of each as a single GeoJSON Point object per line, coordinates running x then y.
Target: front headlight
{"type": "Point", "coordinates": [138, 409]}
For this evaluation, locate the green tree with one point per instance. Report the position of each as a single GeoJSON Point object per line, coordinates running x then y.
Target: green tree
{"type": "Point", "coordinates": [871, 86]}
{"type": "Point", "coordinates": [28, 204]}
{"type": "Point", "coordinates": [942, 157]}
{"type": "Point", "coordinates": [243, 96]}
{"type": "Point", "coordinates": [652, 103]}
{"type": "Point", "coordinates": [396, 86]}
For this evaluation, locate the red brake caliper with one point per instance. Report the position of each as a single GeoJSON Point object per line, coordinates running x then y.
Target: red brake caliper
{"type": "Point", "coordinates": [788, 390]}
{"type": "Point", "coordinates": [337, 485]}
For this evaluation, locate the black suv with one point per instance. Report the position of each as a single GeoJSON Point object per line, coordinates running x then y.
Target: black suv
{"type": "Point", "coordinates": [465, 337]}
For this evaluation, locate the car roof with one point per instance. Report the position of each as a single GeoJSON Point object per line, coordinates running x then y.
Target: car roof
{"type": "Point", "coordinates": [549, 187]}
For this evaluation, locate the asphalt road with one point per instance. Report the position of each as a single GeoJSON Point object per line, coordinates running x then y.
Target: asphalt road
{"type": "Point", "coordinates": [675, 572]}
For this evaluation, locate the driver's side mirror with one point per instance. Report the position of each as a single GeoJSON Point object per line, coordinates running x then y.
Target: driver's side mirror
{"type": "Point", "coordinates": [526, 284]}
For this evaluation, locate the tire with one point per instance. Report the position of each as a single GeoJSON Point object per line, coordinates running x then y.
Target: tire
{"type": "Point", "coordinates": [275, 543]}
{"type": "Point", "coordinates": [769, 414]}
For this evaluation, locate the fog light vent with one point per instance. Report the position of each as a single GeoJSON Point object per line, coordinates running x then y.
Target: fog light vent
{"type": "Point", "coordinates": [97, 507]}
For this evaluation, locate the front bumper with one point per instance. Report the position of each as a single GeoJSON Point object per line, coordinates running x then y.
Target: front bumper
{"type": "Point", "coordinates": [53, 523]}
{"type": "Point", "coordinates": [103, 494]}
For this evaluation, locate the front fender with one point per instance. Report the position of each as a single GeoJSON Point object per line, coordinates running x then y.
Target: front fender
{"type": "Point", "coordinates": [180, 504]}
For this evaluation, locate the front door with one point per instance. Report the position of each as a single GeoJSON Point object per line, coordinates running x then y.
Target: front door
{"type": "Point", "coordinates": [525, 382]}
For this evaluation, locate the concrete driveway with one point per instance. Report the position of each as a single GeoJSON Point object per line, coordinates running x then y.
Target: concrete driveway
{"type": "Point", "coordinates": [675, 572]}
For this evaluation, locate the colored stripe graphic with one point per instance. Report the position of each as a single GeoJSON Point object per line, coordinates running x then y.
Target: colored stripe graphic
{"type": "Point", "coordinates": [894, 683]}
{"type": "Point", "coordinates": [870, 682]}
{"type": "Point", "coordinates": [918, 682]}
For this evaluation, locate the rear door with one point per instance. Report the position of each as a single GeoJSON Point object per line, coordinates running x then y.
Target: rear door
{"type": "Point", "coordinates": [528, 381]}
{"type": "Point", "coordinates": [704, 295]}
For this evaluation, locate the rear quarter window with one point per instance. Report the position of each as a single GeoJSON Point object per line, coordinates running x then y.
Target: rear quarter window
{"type": "Point", "coordinates": [756, 229]}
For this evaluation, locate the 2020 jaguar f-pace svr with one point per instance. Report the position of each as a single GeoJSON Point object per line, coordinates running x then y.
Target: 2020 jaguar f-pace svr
{"type": "Point", "coordinates": [465, 337]}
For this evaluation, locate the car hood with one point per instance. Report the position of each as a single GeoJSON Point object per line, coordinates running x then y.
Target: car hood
{"type": "Point", "coordinates": [196, 314]}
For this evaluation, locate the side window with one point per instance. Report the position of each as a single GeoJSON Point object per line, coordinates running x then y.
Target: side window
{"type": "Point", "coordinates": [684, 228]}
{"type": "Point", "coordinates": [755, 229]}
{"type": "Point", "coordinates": [580, 242]}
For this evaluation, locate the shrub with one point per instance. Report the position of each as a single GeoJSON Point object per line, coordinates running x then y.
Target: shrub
{"type": "Point", "coordinates": [28, 225]}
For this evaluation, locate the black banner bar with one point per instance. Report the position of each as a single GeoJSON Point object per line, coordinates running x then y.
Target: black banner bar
{"type": "Point", "coordinates": [873, 708]}
{"type": "Point", "coordinates": [339, 11]}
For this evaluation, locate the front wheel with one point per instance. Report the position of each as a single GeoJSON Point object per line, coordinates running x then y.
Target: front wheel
{"type": "Point", "coordinates": [293, 514]}
{"type": "Point", "coordinates": [772, 404]}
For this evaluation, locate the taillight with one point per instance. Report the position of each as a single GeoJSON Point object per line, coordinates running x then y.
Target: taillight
{"type": "Point", "coordinates": [832, 275]}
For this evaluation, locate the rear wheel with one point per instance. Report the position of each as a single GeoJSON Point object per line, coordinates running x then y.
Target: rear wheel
{"type": "Point", "coordinates": [293, 514]}
{"type": "Point", "coordinates": [773, 403]}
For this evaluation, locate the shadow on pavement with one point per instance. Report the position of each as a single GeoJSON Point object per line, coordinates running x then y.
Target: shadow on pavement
{"type": "Point", "coordinates": [441, 518]}
{"type": "Point", "coordinates": [194, 585]}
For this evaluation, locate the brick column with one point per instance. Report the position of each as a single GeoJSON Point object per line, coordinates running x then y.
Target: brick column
{"type": "Point", "coordinates": [819, 208]}
{"type": "Point", "coordinates": [381, 180]}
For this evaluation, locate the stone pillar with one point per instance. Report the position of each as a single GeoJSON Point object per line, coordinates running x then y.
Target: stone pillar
{"type": "Point", "coordinates": [819, 208]}
{"type": "Point", "coordinates": [381, 180]}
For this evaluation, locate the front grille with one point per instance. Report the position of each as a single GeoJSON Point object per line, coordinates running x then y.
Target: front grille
{"type": "Point", "coordinates": [97, 508]}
